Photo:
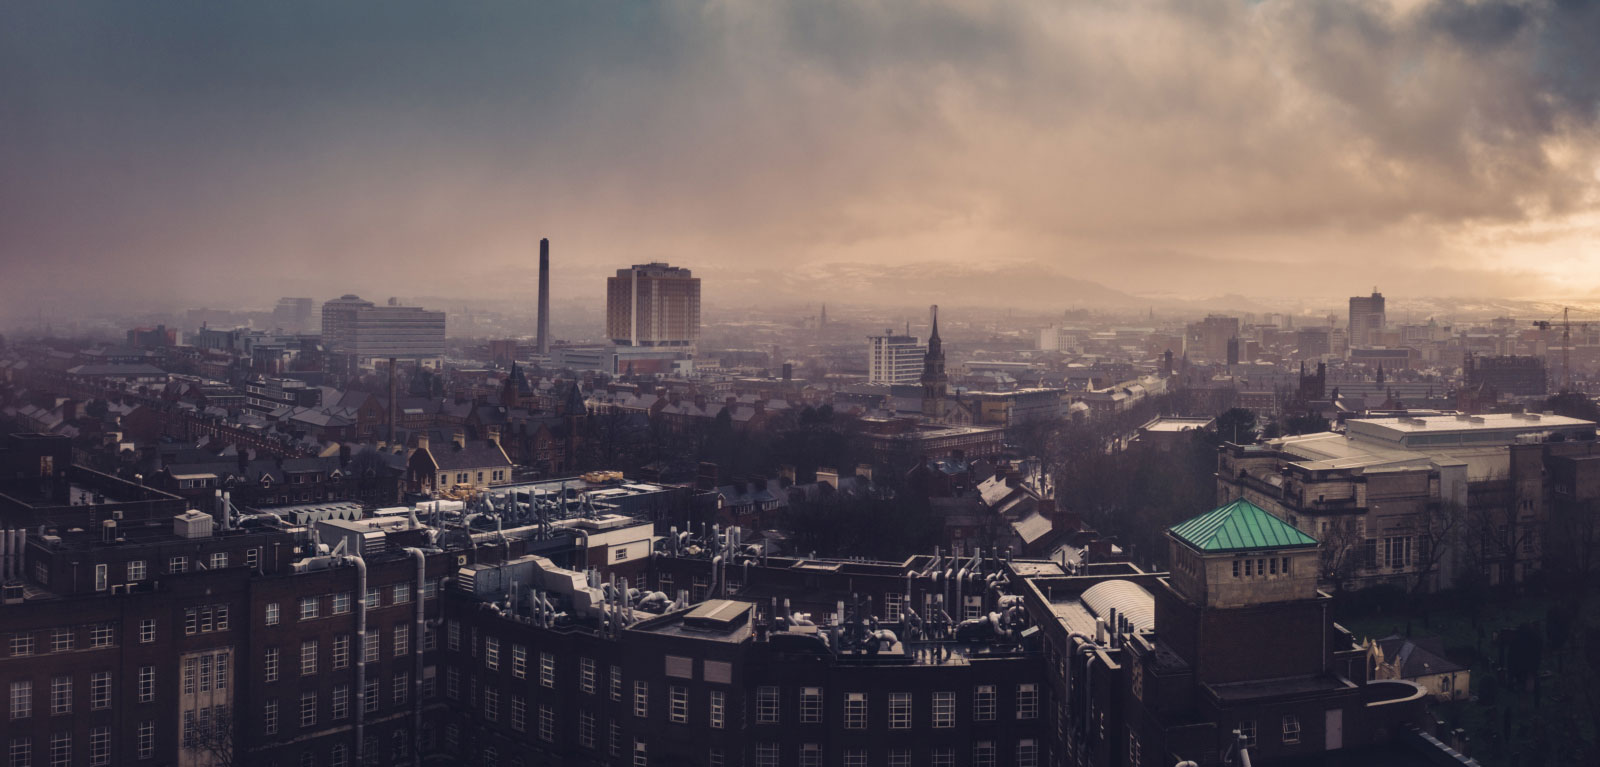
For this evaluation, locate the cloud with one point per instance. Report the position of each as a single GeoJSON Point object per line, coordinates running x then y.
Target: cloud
{"type": "Point", "coordinates": [184, 152]}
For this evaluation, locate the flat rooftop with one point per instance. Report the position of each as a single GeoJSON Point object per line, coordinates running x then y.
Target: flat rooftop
{"type": "Point", "coordinates": [1467, 430]}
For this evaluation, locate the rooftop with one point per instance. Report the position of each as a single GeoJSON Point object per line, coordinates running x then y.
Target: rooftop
{"type": "Point", "coordinates": [1239, 526]}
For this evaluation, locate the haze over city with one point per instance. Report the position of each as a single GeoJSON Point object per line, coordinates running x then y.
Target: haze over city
{"type": "Point", "coordinates": [872, 151]}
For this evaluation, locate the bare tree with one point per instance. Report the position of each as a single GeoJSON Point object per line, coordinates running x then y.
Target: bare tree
{"type": "Point", "coordinates": [1439, 533]}
{"type": "Point", "coordinates": [208, 735]}
{"type": "Point", "coordinates": [1343, 551]}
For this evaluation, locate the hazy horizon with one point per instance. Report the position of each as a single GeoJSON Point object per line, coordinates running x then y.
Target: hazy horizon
{"type": "Point", "coordinates": [1042, 156]}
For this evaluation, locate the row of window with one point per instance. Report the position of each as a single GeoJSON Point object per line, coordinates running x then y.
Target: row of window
{"type": "Point", "coordinates": [339, 603]}
{"type": "Point", "coordinates": [372, 651]}
{"type": "Point", "coordinates": [985, 753]}
{"type": "Point", "coordinates": [138, 569]}
{"type": "Point", "coordinates": [941, 706]}
{"type": "Point", "coordinates": [1263, 566]}
{"type": "Point", "coordinates": [464, 477]}
{"type": "Point", "coordinates": [339, 701]}
{"type": "Point", "coordinates": [65, 639]}
{"type": "Point", "coordinates": [61, 700]}
{"type": "Point", "coordinates": [20, 751]}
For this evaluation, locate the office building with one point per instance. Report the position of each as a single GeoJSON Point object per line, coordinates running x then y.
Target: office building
{"type": "Point", "coordinates": [366, 332]}
{"type": "Point", "coordinates": [1508, 375]}
{"type": "Point", "coordinates": [894, 359]}
{"type": "Point", "coordinates": [1207, 340]}
{"type": "Point", "coordinates": [1366, 318]}
{"type": "Point", "coordinates": [653, 305]}
{"type": "Point", "coordinates": [292, 315]}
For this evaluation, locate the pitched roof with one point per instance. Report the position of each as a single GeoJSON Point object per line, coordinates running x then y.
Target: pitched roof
{"type": "Point", "coordinates": [1239, 526]}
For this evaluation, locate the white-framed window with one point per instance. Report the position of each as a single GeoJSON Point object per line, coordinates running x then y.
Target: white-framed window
{"type": "Point", "coordinates": [1291, 729]}
{"type": "Point", "coordinates": [339, 705]}
{"type": "Point", "coordinates": [400, 593]}
{"type": "Point", "coordinates": [983, 703]}
{"type": "Point", "coordinates": [714, 758]}
{"type": "Point", "coordinates": [767, 711]}
{"type": "Point", "coordinates": [60, 695]}
{"type": "Point", "coordinates": [374, 597]}
{"type": "Point", "coordinates": [219, 560]}
{"type": "Point", "coordinates": [855, 757]}
{"type": "Point", "coordinates": [308, 709]}
{"type": "Point", "coordinates": [308, 657]}
{"type": "Point", "coordinates": [22, 699]}
{"type": "Point", "coordinates": [810, 755]}
{"type": "Point", "coordinates": [1247, 731]}
{"type": "Point", "coordinates": [102, 635]}
{"type": "Point", "coordinates": [369, 696]}
{"type": "Point", "coordinates": [641, 698]}
{"type": "Point", "coordinates": [402, 640]}
{"type": "Point", "coordinates": [269, 716]}
{"type": "Point", "coordinates": [62, 639]}
{"type": "Point", "coordinates": [61, 749]}
{"type": "Point", "coordinates": [136, 570]}
{"type": "Point", "coordinates": [269, 664]}
{"type": "Point", "coordinates": [252, 557]}
{"type": "Point", "coordinates": [430, 588]}
{"type": "Point", "coordinates": [519, 663]}
{"type": "Point", "coordinates": [491, 653]}
{"type": "Point", "coordinates": [679, 711]}
{"type": "Point", "coordinates": [586, 675]}
{"type": "Point", "coordinates": [272, 614]}
{"type": "Point", "coordinates": [616, 683]}
{"type": "Point", "coordinates": [547, 723]}
{"type": "Point", "coordinates": [99, 690]}
{"type": "Point", "coordinates": [983, 753]}
{"type": "Point", "coordinates": [899, 710]}
{"type": "Point", "coordinates": [942, 756]}
{"type": "Point", "coordinates": [855, 711]}
{"type": "Point", "coordinates": [178, 565]}
{"type": "Point", "coordinates": [641, 754]}
{"type": "Point", "coordinates": [339, 756]}
{"type": "Point", "coordinates": [147, 684]}
{"type": "Point", "coordinates": [371, 649]}
{"type": "Point", "coordinates": [310, 607]}
{"type": "Point", "coordinates": [766, 754]}
{"type": "Point", "coordinates": [719, 709]}
{"type": "Point", "coordinates": [1027, 701]}
{"type": "Point", "coordinates": [899, 757]}
{"type": "Point", "coordinates": [944, 710]}
{"type": "Point", "coordinates": [341, 603]}
{"type": "Point", "coordinates": [1027, 753]}
{"type": "Point", "coordinates": [452, 683]}
{"type": "Point", "coordinates": [147, 630]}
{"type": "Point", "coordinates": [147, 739]}
{"type": "Point", "coordinates": [20, 752]}
{"type": "Point", "coordinates": [453, 636]}
{"type": "Point", "coordinates": [400, 688]}
{"type": "Point", "coordinates": [21, 644]}
{"type": "Point", "coordinates": [519, 713]}
{"type": "Point", "coordinates": [341, 652]}
{"type": "Point", "coordinates": [547, 670]}
{"type": "Point", "coordinates": [1135, 748]}
{"type": "Point", "coordinates": [810, 705]}
{"type": "Point", "coordinates": [586, 728]}
{"type": "Point", "coordinates": [491, 704]}
{"type": "Point", "coordinates": [102, 577]}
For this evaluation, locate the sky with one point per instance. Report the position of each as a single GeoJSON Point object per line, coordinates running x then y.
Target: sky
{"type": "Point", "coordinates": [1037, 153]}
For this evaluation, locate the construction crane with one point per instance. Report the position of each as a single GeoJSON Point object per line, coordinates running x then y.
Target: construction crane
{"type": "Point", "coordinates": [1566, 343]}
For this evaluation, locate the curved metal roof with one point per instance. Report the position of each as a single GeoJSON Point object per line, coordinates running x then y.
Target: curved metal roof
{"type": "Point", "coordinates": [1127, 598]}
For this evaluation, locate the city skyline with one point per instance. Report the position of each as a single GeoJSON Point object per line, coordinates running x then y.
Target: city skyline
{"type": "Point", "coordinates": [1272, 148]}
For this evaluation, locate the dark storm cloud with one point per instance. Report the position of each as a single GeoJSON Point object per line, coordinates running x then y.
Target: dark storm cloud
{"type": "Point", "coordinates": [157, 151]}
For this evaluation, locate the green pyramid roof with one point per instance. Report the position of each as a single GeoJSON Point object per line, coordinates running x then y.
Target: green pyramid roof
{"type": "Point", "coordinates": [1239, 526]}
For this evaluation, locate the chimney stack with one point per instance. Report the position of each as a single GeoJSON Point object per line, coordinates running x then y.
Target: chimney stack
{"type": "Point", "coordinates": [542, 343]}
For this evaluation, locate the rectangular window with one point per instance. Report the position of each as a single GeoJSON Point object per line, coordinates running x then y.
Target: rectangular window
{"type": "Point", "coordinates": [21, 644]}
{"type": "Point", "coordinates": [147, 739]}
{"type": "Point", "coordinates": [147, 684]}
{"type": "Point", "coordinates": [547, 670]}
{"type": "Point", "coordinates": [491, 653]}
{"type": "Point", "coordinates": [766, 755]}
{"type": "Point", "coordinates": [205, 672]}
{"type": "Point", "coordinates": [308, 657]}
{"type": "Point", "coordinates": [616, 683]}
{"type": "Point", "coordinates": [942, 757]}
{"type": "Point", "coordinates": [714, 758]}
{"type": "Point", "coordinates": [269, 716]}
{"type": "Point", "coordinates": [719, 707]}
{"type": "Point", "coordinates": [810, 705]}
{"type": "Point", "coordinates": [810, 755]}
{"type": "Point", "coordinates": [222, 670]}
{"type": "Point", "coordinates": [61, 749]}
{"type": "Point", "coordinates": [147, 631]}
{"type": "Point", "coordinates": [1247, 731]}
{"type": "Point", "coordinates": [374, 598]}
{"type": "Point", "coordinates": [61, 695]}
{"type": "Point", "coordinates": [99, 690]}
{"type": "Point", "coordinates": [641, 699]}
{"type": "Point", "coordinates": [191, 668]}
{"type": "Point", "coordinates": [893, 606]}
{"type": "Point", "coordinates": [370, 647]}
{"type": "Point", "coordinates": [641, 756]}
{"type": "Point", "coordinates": [136, 570]}
{"type": "Point", "coordinates": [270, 664]}
{"type": "Point", "coordinates": [586, 675]}
{"type": "Point", "coordinates": [547, 723]}
{"type": "Point", "coordinates": [430, 588]}
{"type": "Point", "coordinates": [102, 635]}
{"type": "Point", "coordinates": [309, 606]}
{"type": "Point", "coordinates": [857, 757]}
{"type": "Point", "coordinates": [1027, 701]}
{"type": "Point", "coordinates": [519, 713]}
{"type": "Point", "coordinates": [586, 728]}
{"type": "Point", "coordinates": [983, 753]}
{"type": "Point", "coordinates": [341, 652]}
{"type": "Point", "coordinates": [400, 594]}
{"type": "Point", "coordinates": [219, 560]}
{"type": "Point", "coordinates": [855, 711]}
{"type": "Point", "coordinates": [61, 640]}
{"type": "Point", "coordinates": [1027, 753]}
{"type": "Point", "coordinates": [272, 614]}
{"type": "Point", "coordinates": [308, 709]}
{"type": "Point", "coordinates": [944, 710]}
{"type": "Point", "coordinates": [1291, 729]}
{"type": "Point", "coordinates": [369, 696]}
{"type": "Point", "coordinates": [252, 558]}
{"type": "Point", "coordinates": [452, 683]}
{"type": "Point", "coordinates": [102, 577]}
{"type": "Point", "coordinates": [519, 665]}
{"type": "Point", "coordinates": [402, 640]}
{"type": "Point", "coordinates": [983, 706]}
{"type": "Point", "coordinates": [899, 757]}
{"type": "Point", "coordinates": [453, 636]}
{"type": "Point", "coordinates": [341, 603]}
{"type": "Point", "coordinates": [430, 637]}
{"type": "Point", "coordinates": [1235, 568]}
{"type": "Point", "coordinates": [1135, 748]}
{"type": "Point", "coordinates": [491, 704]}
{"type": "Point", "coordinates": [21, 753]}
{"type": "Point", "coordinates": [22, 699]}
{"type": "Point", "coordinates": [679, 713]}
{"type": "Point", "coordinates": [339, 706]}
{"type": "Point", "coordinates": [899, 710]}
{"type": "Point", "coordinates": [401, 688]}
{"type": "Point", "coordinates": [178, 565]}
{"type": "Point", "coordinates": [766, 705]}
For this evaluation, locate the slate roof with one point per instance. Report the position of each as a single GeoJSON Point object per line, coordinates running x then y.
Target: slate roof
{"type": "Point", "coordinates": [476, 454]}
{"type": "Point", "coordinates": [1419, 657]}
{"type": "Point", "coordinates": [1239, 526]}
